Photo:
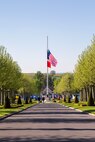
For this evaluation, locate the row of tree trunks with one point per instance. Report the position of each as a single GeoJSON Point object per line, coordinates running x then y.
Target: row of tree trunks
{"type": "Point", "coordinates": [85, 92]}
{"type": "Point", "coordinates": [4, 93]}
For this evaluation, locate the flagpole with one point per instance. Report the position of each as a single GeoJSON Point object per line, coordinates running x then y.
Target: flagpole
{"type": "Point", "coordinates": [47, 67]}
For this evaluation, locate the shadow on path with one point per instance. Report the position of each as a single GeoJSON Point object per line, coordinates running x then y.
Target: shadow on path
{"type": "Point", "coordinates": [49, 120]}
{"type": "Point", "coordinates": [47, 129]}
{"type": "Point", "coordinates": [52, 139]}
{"type": "Point", "coordinates": [29, 125]}
{"type": "Point", "coordinates": [48, 112]}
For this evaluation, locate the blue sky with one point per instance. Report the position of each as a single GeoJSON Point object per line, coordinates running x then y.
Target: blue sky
{"type": "Point", "coordinates": [25, 24]}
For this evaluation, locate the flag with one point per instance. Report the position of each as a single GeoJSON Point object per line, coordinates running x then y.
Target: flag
{"type": "Point", "coordinates": [48, 64]}
{"type": "Point", "coordinates": [51, 58]}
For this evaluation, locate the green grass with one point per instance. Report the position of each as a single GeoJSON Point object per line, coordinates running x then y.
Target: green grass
{"type": "Point", "coordinates": [14, 108]}
{"type": "Point", "coordinates": [81, 106]}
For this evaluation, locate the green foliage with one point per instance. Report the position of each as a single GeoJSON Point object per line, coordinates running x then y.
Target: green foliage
{"type": "Point", "coordinates": [10, 72]}
{"type": "Point", "coordinates": [39, 82]}
{"type": "Point", "coordinates": [12, 99]}
{"type": "Point", "coordinates": [27, 85]}
{"type": "Point", "coordinates": [56, 82]}
{"type": "Point", "coordinates": [84, 74]}
{"type": "Point", "coordinates": [65, 84]}
{"type": "Point", "coordinates": [7, 102]}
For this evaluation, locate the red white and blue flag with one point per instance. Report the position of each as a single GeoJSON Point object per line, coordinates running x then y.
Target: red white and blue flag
{"type": "Point", "coordinates": [48, 64]}
{"type": "Point", "coordinates": [51, 59]}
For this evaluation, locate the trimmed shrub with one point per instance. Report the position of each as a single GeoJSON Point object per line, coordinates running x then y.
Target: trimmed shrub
{"type": "Point", "coordinates": [76, 99]}
{"type": "Point", "coordinates": [7, 102]}
{"type": "Point", "coordinates": [64, 99]}
{"type": "Point", "coordinates": [90, 100]}
{"type": "Point", "coordinates": [26, 100]}
{"type": "Point", "coordinates": [68, 99]}
{"type": "Point", "coordinates": [19, 100]}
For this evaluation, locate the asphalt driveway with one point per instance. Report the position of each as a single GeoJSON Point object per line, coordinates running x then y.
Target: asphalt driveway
{"type": "Point", "coordinates": [48, 123]}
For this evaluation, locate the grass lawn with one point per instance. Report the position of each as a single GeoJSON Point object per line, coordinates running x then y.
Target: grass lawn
{"type": "Point", "coordinates": [89, 109]}
{"type": "Point", "coordinates": [4, 111]}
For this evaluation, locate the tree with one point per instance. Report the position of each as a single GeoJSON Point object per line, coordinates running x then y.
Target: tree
{"type": "Point", "coordinates": [65, 84]}
{"type": "Point", "coordinates": [52, 72]}
{"type": "Point", "coordinates": [84, 74]}
{"type": "Point", "coordinates": [39, 82]}
{"type": "Point", "coordinates": [68, 99]}
{"type": "Point", "coordinates": [51, 79]}
{"type": "Point", "coordinates": [56, 82]}
{"type": "Point", "coordinates": [27, 85]}
{"type": "Point", "coordinates": [10, 73]}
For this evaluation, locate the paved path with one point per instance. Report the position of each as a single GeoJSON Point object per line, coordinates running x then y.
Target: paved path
{"type": "Point", "coordinates": [48, 123]}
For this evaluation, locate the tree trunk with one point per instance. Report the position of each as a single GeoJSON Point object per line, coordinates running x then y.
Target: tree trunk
{"type": "Point", "coordinates": [93, 92]}
{"type": "Point", "coordinates": [2, 97]}
{"type": "Point", "coordinates": [81, 95]}
{"type": "Point", "coordinates": [84, 95]}
{"type": "Point", "coordinates": [87, 90]}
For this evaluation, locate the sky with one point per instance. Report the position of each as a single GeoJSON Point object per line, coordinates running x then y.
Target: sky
{"type": "Point", "coordinates": [25, 25]}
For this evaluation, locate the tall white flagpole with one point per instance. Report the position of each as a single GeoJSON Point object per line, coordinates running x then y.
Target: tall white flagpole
{"type": "Point", "coordinates": [47, 67]}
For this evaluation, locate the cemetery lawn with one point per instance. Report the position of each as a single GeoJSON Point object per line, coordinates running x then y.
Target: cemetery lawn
{"type": "Point", "coordinates": [14, 108]}
{"type": "Point", "coordinates": [81, 106]}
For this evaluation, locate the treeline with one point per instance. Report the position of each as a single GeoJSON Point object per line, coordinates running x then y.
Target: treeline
{"type": "Point", "coordinates": [36, 83]}
{"type": "Point", "coordinates": [10, 75]}
{"type": "Point", "coordinates": [83, 79]}
{"type": "Point", "coordinates": [13, 82]}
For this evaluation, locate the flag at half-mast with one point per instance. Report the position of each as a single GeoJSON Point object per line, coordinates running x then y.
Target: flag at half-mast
{"type": "Point", "coordinates": [51, 59]}
{"type": "Point", "coordinates": [48, 64]}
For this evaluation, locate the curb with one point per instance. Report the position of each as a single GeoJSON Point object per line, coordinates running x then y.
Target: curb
{"type": "Point", "coordinates": [91, 114]}
{"type": "Point", "coordinates": [74, 108]}
{"type": "Point", "coordinates": [83, 111]}
{"type": "Point", "coordinates": [8, 115]}
{"type": "Point", "coordinates": [71, 107]}
{"type": "Point", "coordinates": [79, 110]}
